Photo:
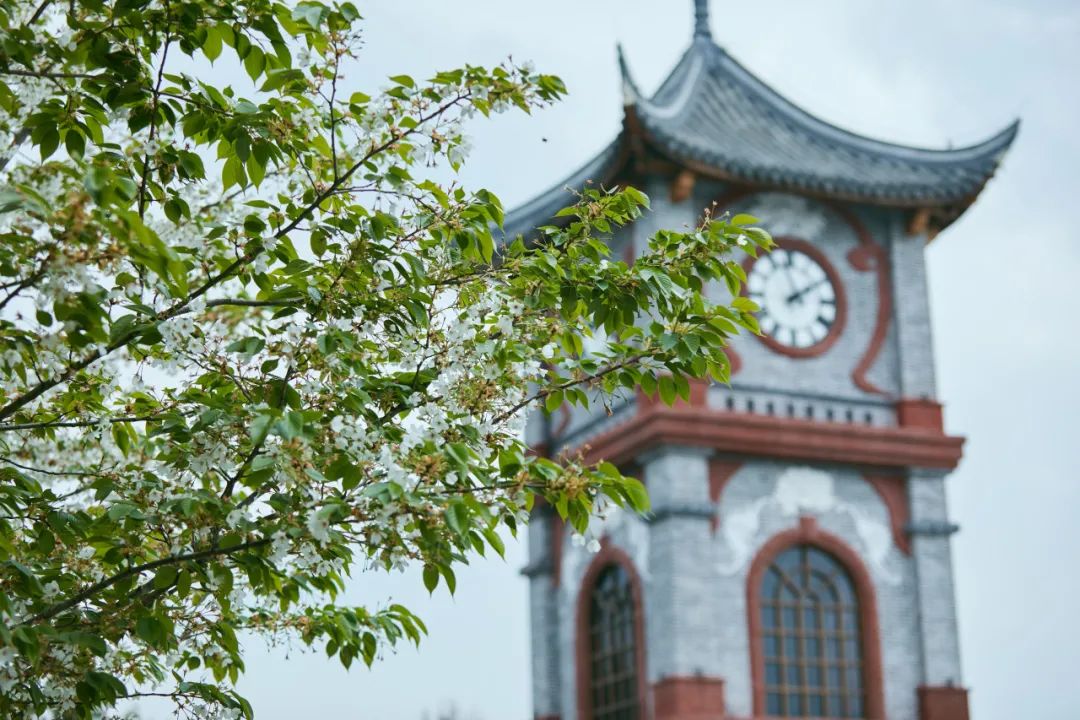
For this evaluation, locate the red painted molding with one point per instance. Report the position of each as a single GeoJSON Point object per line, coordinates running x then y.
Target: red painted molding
{"type": "Point", "coordinates": [608, 555]}
{"type": "Point", "coordinates": [837, 328]}
{"type": "Point", "coordinates": [808, 533]}
{"type": "Point", "coordinates": [720, 471]}
{"type": "Point", "coordinates": [867, 256]}
{"type": "Point", "coordinates": [920, 413]}
{"type": "Point", "coordinates": [558, 526]}
{"type": "Point", "coordinates": [688, 698]}
{"type": "Point", "coordinates": [943, 703]}
{"type": "Point", "coordinates": [893, 492]}
{"type": "Point", "coordinates": [767, 436]}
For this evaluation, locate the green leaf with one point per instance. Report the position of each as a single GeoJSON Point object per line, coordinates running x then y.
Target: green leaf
{"type": "Point", "coordinates": [75, 144]}
{"type": "Point", "coordinates": [744, 219]}
{"type": "Point", "coordinates": [457, 517]}
{"type": "Point", "coordinates": [212, 45]}
{"type": "Point", "coordinates": [165, 576]}
{"type": "Point", "coordinates": [636, 494]}
{"type": "Point", "coordinates": [255, 63]}
{"type": "Point", "coordinates": [667, 389]}
{"type": "Point", "coordinates": [49, 142]}
{"type": "Point", "coordinates": [553, 401]}
{"type": "Point", "coordinates": [431, 578]}
{"type": "Point", "coordinates": [310, 13]}
{"type": "Point", "coordinates": [495, 541]}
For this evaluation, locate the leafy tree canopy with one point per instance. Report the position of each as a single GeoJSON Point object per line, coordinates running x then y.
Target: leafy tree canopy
{"type": "Point", "coordinates": [248, 346]}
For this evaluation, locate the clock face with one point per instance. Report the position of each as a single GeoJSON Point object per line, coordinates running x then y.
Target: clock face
{"type": "Point", "coordinates": [798, 297]}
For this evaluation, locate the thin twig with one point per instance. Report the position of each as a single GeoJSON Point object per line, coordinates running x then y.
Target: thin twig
{"type": "Point", "coordinates": [79, 423]}
{"type": "Point", "coordinates": [153, 118]}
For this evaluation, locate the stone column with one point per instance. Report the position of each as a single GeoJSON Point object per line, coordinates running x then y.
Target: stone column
{"type": "Point", "coordinates": [544, 614]}
{"type": "Point", "coordinates": [911, 308]}
{"type": "Point", "coordinates": [941, 696]}
{"type": "Point", "coordinates": [683, 641]}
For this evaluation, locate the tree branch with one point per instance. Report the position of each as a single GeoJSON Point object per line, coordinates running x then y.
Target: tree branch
{"type": "Point", "coordinates": [153, 118]}
{"type": "Point", "coordinates": [78, 423]}
{"type": "Point", "coordinates": [571, 383]}
{"type": "Point", "coordinates": [57, 608]}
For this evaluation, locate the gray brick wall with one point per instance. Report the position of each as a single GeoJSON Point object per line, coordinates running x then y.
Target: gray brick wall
{"type": "Point", "coordinates": [681, 639]}
{"type": "Point", "coordinates": [940, 654]}
{"type": "Point", "coordinates": [912, 313]}
{"type": "Point", "coordinates": [543, 618]}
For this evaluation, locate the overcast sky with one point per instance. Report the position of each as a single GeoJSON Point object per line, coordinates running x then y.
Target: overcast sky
{"type": "Point", "coordinates": [1003, 283]}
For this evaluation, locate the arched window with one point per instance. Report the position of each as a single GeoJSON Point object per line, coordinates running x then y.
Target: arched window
{"type": "Point", "coordinates": [811, 637]}
{"type": "Point", "coordinates": [612, 627]}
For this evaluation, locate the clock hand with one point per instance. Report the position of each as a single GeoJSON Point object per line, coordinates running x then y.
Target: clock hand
{"type": "Point", "coordinates": [791, 284]}
{"type": "Point", "coordinates": [798, 294]}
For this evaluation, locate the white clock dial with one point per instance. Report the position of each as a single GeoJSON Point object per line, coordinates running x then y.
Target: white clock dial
{"type": "Point", "coordinates": [797, 298]}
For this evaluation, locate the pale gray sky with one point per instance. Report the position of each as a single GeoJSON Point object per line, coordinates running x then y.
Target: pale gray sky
{"type": "Point", "coordinates": [1003, 283]}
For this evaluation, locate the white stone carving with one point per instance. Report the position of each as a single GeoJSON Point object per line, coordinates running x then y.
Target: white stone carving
{"type": "Point", "coordinates": [805, 491]}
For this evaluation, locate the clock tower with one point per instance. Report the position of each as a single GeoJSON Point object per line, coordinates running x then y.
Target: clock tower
{"type": "Point", "coordinates": [796, 560]}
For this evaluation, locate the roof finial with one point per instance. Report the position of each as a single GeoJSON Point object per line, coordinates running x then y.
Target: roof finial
{"type": "Point", "coordinates": [701, 19]}
{"type": "Point", "coordinates": [629, 89]}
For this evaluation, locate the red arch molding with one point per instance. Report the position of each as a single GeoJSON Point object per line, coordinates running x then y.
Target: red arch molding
{"type": "Point", "coordinates": [608, 555]}
{"type": "Point", "coordinates": [808, 533]}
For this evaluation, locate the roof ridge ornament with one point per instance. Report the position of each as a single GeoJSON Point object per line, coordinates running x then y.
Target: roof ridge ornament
{"type": "Point", "coordinates": [631, 95]}
{"type": "Point", "coordinates": [701, 20]}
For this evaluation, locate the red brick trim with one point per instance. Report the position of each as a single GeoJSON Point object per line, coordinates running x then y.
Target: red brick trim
{"type": "Point", "coordinates": [720, 471]}
{"type": "Point", "coordinates": [837, 328]}
{"type": "Point", "coordinates": [943, 703]}
{"type": "Point", "coordinates": [688, 698]}
{"type": "Point", "coordinates": [768, 436]}
{"type": "Point", "coordinates": [608, 555]}
{"type": "Point", "coordinates": [893, 492]}
{"type": "Point", "coordinates": [920, 413]}
{"type": "Point", "coordinates": [808, 532]}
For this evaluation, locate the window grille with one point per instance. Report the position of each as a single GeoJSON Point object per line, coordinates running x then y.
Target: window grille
{"type": "Point", "coordinates": [811, 637]}
{"type": "Point", "coordinates": [612, 647]}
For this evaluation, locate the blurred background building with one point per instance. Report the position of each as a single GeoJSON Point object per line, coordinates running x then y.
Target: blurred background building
{"type": "Point", "coordinates": [797, 559]}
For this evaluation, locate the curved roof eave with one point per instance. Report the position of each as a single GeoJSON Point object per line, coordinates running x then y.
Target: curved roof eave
{"type": "Point", "coordinates": [711, 111]}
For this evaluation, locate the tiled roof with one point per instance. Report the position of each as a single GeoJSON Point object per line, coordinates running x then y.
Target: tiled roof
{"type": "Point", "coordinates": [714, 116]}
{"type": "Point", "coordinates": [713, 112]}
